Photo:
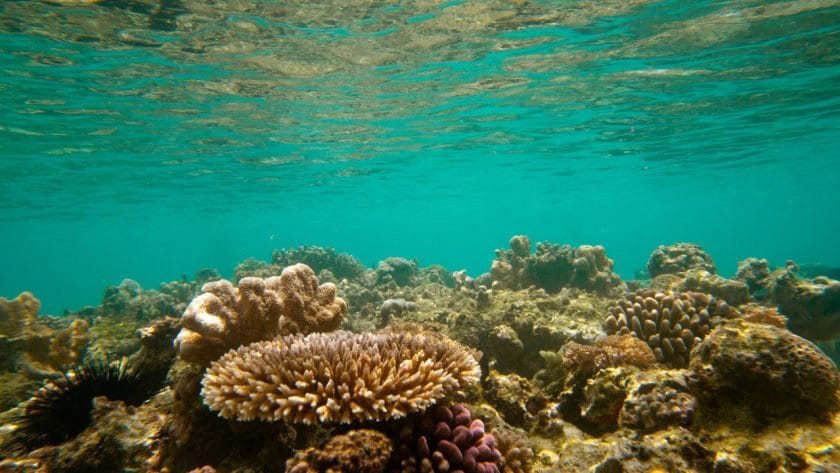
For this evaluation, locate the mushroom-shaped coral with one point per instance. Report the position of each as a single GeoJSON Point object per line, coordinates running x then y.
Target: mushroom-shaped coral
{"type": "Point", "coordinates": [670, 323]}
{"type": "Point", "coordinates": [357, 451]}
{"type": "Point", "coordinates": [337, 377]}
{"type": "Point", "coordinates": [449, 440]}
{"type": "Point", "coordinates": [225, 317]}
{"type": "Point", "coordinates": [678, 258]}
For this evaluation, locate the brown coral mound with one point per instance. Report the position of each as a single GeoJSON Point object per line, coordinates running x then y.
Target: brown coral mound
{"type": "Point", "coordinates": [225, 317]}
{"type": "Point", "coordinates": [670, 323]}
{"type": "Point", "coordinates": [357, 451]}
{"type": "Point", "coordinates": [767, 369]}
{"type": "Point", "coordinates": [17, 314]}
{"type": "Point", "coordinates": [678, 258]}
{"type": "Point", "coordinates": [337, 377]}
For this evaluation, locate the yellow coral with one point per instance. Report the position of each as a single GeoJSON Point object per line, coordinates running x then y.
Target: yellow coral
{"type": "Point", "coordinates": [337, 377]}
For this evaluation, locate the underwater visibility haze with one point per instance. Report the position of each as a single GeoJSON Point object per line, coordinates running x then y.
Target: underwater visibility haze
{"type": "Point", "coordinates": [146, 139]}
{"type": "Point", "coordinates": [480, 236]}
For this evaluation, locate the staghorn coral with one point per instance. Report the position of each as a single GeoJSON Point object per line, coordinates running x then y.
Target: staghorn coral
{"type": "Point", "coordinates": [553, 267]}
{"type": "Point", "coordinates": [225, 317]}
{"type": "Point", "coordinates": [766, 369]}
{"type": "Point", "coordinates": [670, 323]}
{"type": "Point", "coordinates": [337, 377]}
{"type": "Point", "coordinates": [678, 258]}
{"type": "Point", "coordinates": [447, 439]}
{"type": "Point", "coordinates": [357, 451]}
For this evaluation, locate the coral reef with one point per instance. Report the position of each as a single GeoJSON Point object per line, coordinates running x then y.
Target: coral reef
{"type": "Point", "coordinates": [554, 267]}
{"type": "Point", "coordinates": [357, 451]}
{"type": "Point", "coordinates": [768, 370]}
{"type": "Point", "coordinates": [732, 291]}
{"type": "Point", "coordinates": [575, 361]}
{"type": "Point", "coordinates": [812, 305]}
{"type": "Point", "coordinates": [670, 323]}
{"type": "Point", "coordinates": [337, 377]}
{"type": "Point", "coordinates": [679, 258]}
{"type": "Point", "coordinates": [753, 272]}
{"type": "Point", "coordinates": [327, 263]}
{"type": "Point", "coordinates": [225, 317]}
{"type": "Point", "coordinates": [516, 398]}
{"type": "Point", "coordinates": [653, 406]}
{"type": "Point", "coordinates": [447, 439]}
{"type": "Point", "coordinates": [399, 270]}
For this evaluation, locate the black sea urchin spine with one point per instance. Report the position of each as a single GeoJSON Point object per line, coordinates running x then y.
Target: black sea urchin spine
{"type": "Point", "coordinates": [61, 409]}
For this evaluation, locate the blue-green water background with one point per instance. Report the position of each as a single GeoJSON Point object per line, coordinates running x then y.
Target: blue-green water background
{"type": "Point", "coordinates": [149, 139]}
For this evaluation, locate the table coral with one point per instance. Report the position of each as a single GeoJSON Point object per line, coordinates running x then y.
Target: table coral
{"type": "Point", "coordinates": [671, 323]}
{"type": "Point", "coordinates": [357, 451]}
{"type": "Point", "coordinates": [337, 377]}
{"type": "Point", "coordinates": [225, 317]}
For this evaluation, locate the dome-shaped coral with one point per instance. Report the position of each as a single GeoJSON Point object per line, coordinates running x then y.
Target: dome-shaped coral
{"type": "Point", "coordinates": [678, 258]}
{"type": "Point", "coordinates": [337, 377]}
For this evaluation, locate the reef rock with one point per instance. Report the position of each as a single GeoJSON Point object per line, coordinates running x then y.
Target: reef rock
{"type": "Point", "coordinates": [812, 305]}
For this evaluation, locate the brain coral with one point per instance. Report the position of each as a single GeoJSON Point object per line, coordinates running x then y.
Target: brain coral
{"type": "Point", "coordinates": [225, 317]}
{"type": "Point", "coordinates": [337, 377]}
{"type": "Point", "coordinates": [670, 323]}
{"type": "Point", "coordinates": [357, 451]}
{"type": "Point", "coordinates": [770, 370]}
{"type": "Point", "coordinates": [678, 258]}
{"type": "Point", "coordinates": [448, 440]}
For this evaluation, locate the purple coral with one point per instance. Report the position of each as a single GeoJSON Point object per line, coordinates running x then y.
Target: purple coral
{"type": "Point", "coordinates": [450, 440]}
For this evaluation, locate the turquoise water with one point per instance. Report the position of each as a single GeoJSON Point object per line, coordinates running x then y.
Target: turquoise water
{"type": "Point", "coordinates": [148, 139]}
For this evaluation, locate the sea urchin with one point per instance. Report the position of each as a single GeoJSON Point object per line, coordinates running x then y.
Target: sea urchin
{"type": "Point", "coordinates": [61, 408]}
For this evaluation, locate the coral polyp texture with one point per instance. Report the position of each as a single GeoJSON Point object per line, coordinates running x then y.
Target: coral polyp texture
{"type": "Point", "coordinates": [357, 451]}
{"type": "Point", "coordinates": [553, 267]}
{"type": "Point", "coordinates": [449, 440]}
{"type": "Point", "coordinates": [671, 323]}
{"type": "Point", "coordinates": [771, 370]}
{"type": "Point", "coordinates": [679, 258]}
{"type": "Point", "coordinates": [225, 317]}
{"type": "Point", "coordinates": [337, 377]}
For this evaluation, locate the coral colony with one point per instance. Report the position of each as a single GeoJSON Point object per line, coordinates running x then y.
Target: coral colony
{"type": "Point", "coordinates": [548, 362]}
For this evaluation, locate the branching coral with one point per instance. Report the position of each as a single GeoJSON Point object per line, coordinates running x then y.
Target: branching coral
{"type": "Point", "coordinates": [670, 323]}
{"type": "Point", "coordinates": [580, 361]}
{"type": "Point", "coordinates": [337, 377]}
{"type": "Point", "coordinates": [225, 317]}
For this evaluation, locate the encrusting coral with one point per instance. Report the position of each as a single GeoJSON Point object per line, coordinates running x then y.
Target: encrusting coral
{"type": "Point", "coordinates": [670, 323]}
{"type": "Point", "coordinates": [337, 377]}
{"type": "Point", "coordinates": [578, 361]}
{"type": "Point", "coordinates": [448, 440]}
{"type": "Point", "coordinates": [226, 317]}
{"type": "Point", "coordinates": [357, 451]}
